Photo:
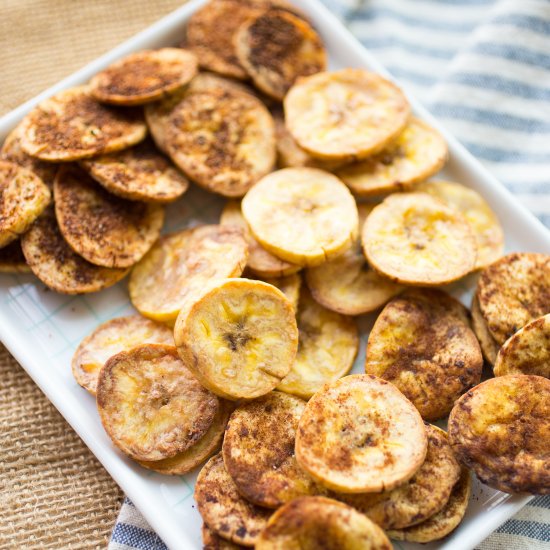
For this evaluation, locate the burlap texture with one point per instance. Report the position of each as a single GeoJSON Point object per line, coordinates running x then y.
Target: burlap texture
{"type": "Point", "coordinates": [53, 492]}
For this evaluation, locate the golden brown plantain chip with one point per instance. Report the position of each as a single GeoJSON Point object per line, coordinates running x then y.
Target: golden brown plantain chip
{"type": "Point", "coordinates": [347, 284]}
{"type": "Point", "coordinates": [211, 541]}
{"type": "Point", "coordinates": [345, 115]}
{"type": "Point", "coordinates": [103, 229]}
{"type": "Point", "coordinates": [422, 343]}
{"type": "Point", "coordinates": [150, 404]}
{"type": "Point", "coordinates": [445, 521]}
{"type": "Point", "coordinates": [12, 259]}
{"type": "Point", "coordinates": [489, 346]}
{"type": "Point", "coordinates": [327, 347]}
{"type": "Point", "coordinates": [312, 523]}
{"type": "Point", "coordinates": [424, 495]}
{"type": "Point", "coordinates": [418, 153]}
{"type": "Point", "coordinates": [202, 450]}
{"type": "Point", "coordinates": [258, 451]}
{"type": "Point", "coordinates": [23, 197]}
{"type": "Point", "coordinates": [55, 263]}
{"type": "Point", "coordinates": [223, 509]}
{"type": "Point", "coordinates": [260, 261]}
{"type": "Point", "coordinates": [514, 291]}
{"type": "Point", "coordinates": [72, 125]}
{"type": "Point", "coordinates": [144, 76]}
{"type": "Point", "coordinates": [110, 338]}
{"type": "Point", "coordinates": [360, 434]}
{"type": "Point", "coordinates": [276, 48]}
{"type": "Point", "coordinates": [223, 139]}
{"type": "Point", "coordinates": [501, 430]}
{"type": "Point", "coordinates": [527, 351]}
{"type": "Point", "coordinates": [139, 174]}
{"type": "Point", "coordinates": [415, 239]}
{"type": "Point", "coordinates": [179, 266]}
{"type": "Point", "coordinates": [239, 338]}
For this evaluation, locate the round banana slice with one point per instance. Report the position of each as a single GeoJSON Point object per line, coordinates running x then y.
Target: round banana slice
{"type": "Point", "coordinates": [303, 215]}
{"type": "Point", "coordinates": [144, 76]}
{"type": "Point", "coordinates": [347, 114]}
{"type": "Point", "coordinates": [527, 351]}
{"type": "Point", "coordinates": [150, 404]}
{"type": "Point", "coordinates": [276, 48]}
{"type": "Point", "coordinates": [138, 174]}
{"type": "Point", "coordinates": [424, 495]}
{"type": "Point", "coordinates": [211, 541]}
{"type": "Point", "coordinates": [422, 346]}
{"type": "Point", "coordinates": [289, 286]}
{"type": "Point", "coordinates": [514, 291]}
{"type": "Point", "coordinates": [312, 523]}
{"type": "Point", "coordinates": [489, 346]}
{"type": "Point", "coordinates": [483, 221]}
{"type": "Point", "coordinates": [223, 140]}
{"type": "Point", "coordinates": [260, 261]}
{"type": "Point", "coordinates": [12, 151]}
{"type": "Point", "coordinates": [501, 430]}
{"type": "Point", "coordinates": [177, 268]}
{"type": "Point", "coordinates": [327, 347]}
{"type": "Point", "coordinates": [223, 509]}
{"type": "Point", "coordinates": [360, 434]}
{"type": "Point", "coordinates": [12, 259]}
{"type": "Point", "coordinates": [258, 451]}
{"type": "Point", "coordinates": [110, 338]}
{"type": "Point", "coordinates": [54, 262]}
{"type": "Point", "coordinates": [445, 521]}
{"type": "Point", "coordinates": [418, 153]}
{"type": "Point", "coordinates": [23, 197]}
{"type": "Point", "coordinates": [415, 239]}
{"type": "Point", "coordinates": [72, 125]}
{"type": "Point", "coordinates": [202, 450]}
{"type": "Point", "coordinates": [240, 338]}
{"type": "Point", "coordinates": [103, 229]}
{"type": "Point", "coordinates": [347, 284]}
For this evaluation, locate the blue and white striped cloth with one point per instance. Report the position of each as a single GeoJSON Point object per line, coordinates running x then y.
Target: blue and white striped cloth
{"type": "Point", "coordinates": [483, 68]}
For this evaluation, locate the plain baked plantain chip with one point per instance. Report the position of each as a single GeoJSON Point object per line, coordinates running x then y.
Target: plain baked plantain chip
{"type": "Point", "coordinates": [23, 197]}
{"type": "Point", "coordinates": [312, 523]}
{"type": "Point", "coordinates": [104, 229]}
{"type": "Point", "coordinates": [501, 430]}
{"type": "Point", "coordinates": [55, 263]}
{"type": "Point", "coordinates": [483, 221]}
{"type": "Point", "coordinates": [327, 347]}
{"type": "Point", "coordinates": [260, 261]}
{"type": "Point", "coordinates": [445, 521]}
{"type": "Point", "coordinates": [276, 48]}
{"type": "Point", "coordinates": [347, 284]}
{"type": "Point", "coordinates": [360, 434]}
{"type": "Point", "coordinates": [527, 351]}
{"type": "Point", "coordinates": [289, 285]}
{"type": "Point", "coordinates": [12, 259]}
{"type": "Point", "coordinates": [345, 115]}
{"type": "Point", "coordinates": [240, 338]}
{"type": "Point", "coordinates": [418, 153]}
{"type": "Point", "coordinates": [258, 451]}
{"type": "Point", "coordinates": [489, 346]}
{"type": "Point", "coordinates": [514, 291]}
{"type": "Point", "coordinates": [72, 125]}
{"type": "Point", "coordinates": [110, 338]}
{"type": "Point", "coordinates": [223, 509]}
{"type": "Point", "coordinates": [415, 239]}
{"type": "Point", "coordinates": [422, 343]}
{"type": "Point", "coordinates": [179, 266]}
{"type": "Point", "coordinates": [424, 495]}
{"type": "Point", "coordinates": [223, 139]}
{"type": "Point", "coordinates": [303, 215]}
{"type": "Point", "coordinates": [151, 405]}
{"type": "Point", "coordinates": [139, 174]}
{"type": "Point", "coordinates": [144, 76]}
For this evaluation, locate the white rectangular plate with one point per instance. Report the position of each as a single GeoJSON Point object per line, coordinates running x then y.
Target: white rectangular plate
{"type": "Point", "coordinates": [42, 328]}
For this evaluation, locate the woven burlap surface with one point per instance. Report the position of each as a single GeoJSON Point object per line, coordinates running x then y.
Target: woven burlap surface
{"type": "Point", "coordinates": [53, 492]}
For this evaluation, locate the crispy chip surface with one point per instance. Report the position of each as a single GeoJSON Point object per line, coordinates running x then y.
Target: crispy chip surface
{"type": "Point", "coordinates": [489, 346]}
{"type": "Point", "coordinates": [289, 285]}
{"type": "Point", "coordinates": [212, 541]}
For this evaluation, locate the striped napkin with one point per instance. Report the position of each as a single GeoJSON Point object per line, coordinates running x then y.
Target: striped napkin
{"type": "Point", "coordinates": [483, 68]}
